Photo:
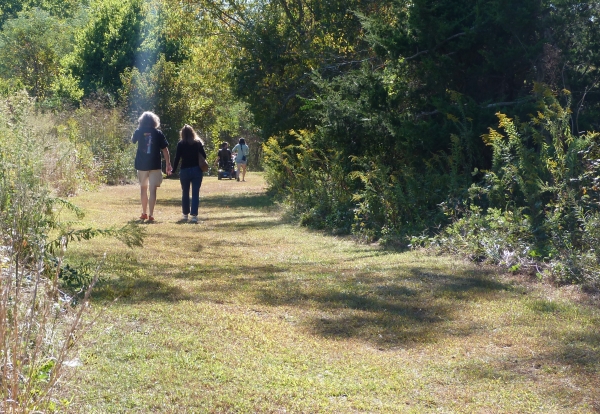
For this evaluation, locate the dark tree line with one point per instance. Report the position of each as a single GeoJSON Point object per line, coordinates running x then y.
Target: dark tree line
{"type": "Point", "coordinates": [379, 113]}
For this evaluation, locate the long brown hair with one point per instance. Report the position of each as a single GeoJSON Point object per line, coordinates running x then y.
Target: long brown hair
{"type": "Point", "coordinates": [188, 135]}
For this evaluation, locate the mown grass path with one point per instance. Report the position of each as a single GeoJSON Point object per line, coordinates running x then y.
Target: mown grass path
{"type": "Point", "coordinates": [245, 313]}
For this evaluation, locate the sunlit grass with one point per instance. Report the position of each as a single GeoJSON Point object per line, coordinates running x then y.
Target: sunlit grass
{"type": "Point", "coordinates": [244, 312]}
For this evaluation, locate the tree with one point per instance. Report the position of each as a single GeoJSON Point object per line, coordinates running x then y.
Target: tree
{"type": "Point", "coordinates": [406, 126]}
{"type": "Point", "coordinates": [9, 9]}
{"type": "Point", "coordinates": [109, 44]}
{"type": "Point", "coordinates": [188, 82]}
{"type": "Point", "coordinates": [282, 43]}
{"type": "Point", "coordinates": [31, 47]}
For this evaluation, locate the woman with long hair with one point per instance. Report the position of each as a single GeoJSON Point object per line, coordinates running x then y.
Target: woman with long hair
{"type": "Point", "coordinates": [151, 143]}
{"type": "Point", "coordinates": [188, 148]}
{"type": "Point", "coordinates": [241, 152]}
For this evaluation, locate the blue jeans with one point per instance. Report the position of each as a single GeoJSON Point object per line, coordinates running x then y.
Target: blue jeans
{"type": "Point", "coordinates": [190, 176]}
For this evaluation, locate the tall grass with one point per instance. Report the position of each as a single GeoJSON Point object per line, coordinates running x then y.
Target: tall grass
{"type": "Point", "coordinates": [39, 323]}
{"type": "Point", "coordinates": [100, 132]}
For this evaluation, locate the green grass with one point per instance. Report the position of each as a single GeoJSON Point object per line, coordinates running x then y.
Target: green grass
{"type": "Point", "coordinates": [247, 313]}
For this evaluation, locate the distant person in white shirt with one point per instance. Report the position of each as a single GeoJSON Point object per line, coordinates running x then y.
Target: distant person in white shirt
{"type": "Point", "coordinates": [241, 152]}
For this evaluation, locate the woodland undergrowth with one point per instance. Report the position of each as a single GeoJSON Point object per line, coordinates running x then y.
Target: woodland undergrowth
{"type": "Point", "coordinates": [42, 298]}
{"type": "Point", "coordinates": [535, 210]}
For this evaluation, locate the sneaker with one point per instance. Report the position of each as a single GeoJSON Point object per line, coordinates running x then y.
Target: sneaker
{"type": "Point", "coordinates": [144, 216]}
{"type": "Point", "coordinates": [194, 219]}
{"type": "Point", "coordinates": [150, 218]}
{"type": "Point", "coordinates": [184, 217]}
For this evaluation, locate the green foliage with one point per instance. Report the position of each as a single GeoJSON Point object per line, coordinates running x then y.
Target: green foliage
{"type": "Point", "coordinates": [282, 42]}
{"type": "Point", "coordinates": [534, 206]}
{"type": "Point", "coordinates": [185, 81]}
{"type": "Point", "coordinates": [38, 323]}
{"type": "Point", "coordinates": [404, 128]}
{"type": "Point", "coordinates": [101, 138]}
{"type": "Point", "coordinates": [499, 236]}
{"type": "Point", "coordinates": [108, 44]}
{"type": "Point", "coordinates": [25, 193]}
{"type": "Point", "coordinates": [385, 199]}
{"type": "Point", "coordinates": [310, 181]}
{"type": "Point", "coordinates": [31, 47]}
{"type": "Point", "coordinates": [9, 9]}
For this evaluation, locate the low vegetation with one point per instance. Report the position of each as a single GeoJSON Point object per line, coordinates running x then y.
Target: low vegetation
{"type": "Point", "coordinates": [41, 304]}
{"type": "Point", "coordinates": [247, 312]}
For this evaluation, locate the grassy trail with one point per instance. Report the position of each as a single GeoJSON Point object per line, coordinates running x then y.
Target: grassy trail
{"type": "Point", "coordinates": [245, 313]}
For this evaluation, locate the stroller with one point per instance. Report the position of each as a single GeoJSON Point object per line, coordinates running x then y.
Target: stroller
{"type": "Point", "coordinates": [226, 169]}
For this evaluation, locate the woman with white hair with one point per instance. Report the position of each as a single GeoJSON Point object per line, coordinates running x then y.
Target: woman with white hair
{"type": "Point", "coordinates": [151, 143]}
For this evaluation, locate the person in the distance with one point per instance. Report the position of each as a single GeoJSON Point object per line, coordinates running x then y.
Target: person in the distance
{"type": "Point", "coordinates": [241, 152]}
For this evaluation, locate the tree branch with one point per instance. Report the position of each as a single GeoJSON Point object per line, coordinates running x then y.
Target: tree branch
{"type": "Point", "coordinates": [289, 14]}
{"type": "Point", "coordinates": [437, 46]}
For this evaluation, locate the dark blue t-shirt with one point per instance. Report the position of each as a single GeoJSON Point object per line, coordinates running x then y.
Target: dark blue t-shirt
{"type": "Point", "coordinates": [150, 142]}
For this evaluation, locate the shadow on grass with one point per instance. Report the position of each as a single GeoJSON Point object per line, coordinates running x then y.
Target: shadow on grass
{"type": "Point", "coordinates": [234, 226]}
{"type": "Point", "coordinates": [388, 312]}
{"type": "Point", "coordinates": [138, 290]}
{"type": "Point", "coordinates": [401, 309]}
{"type": "Point", "coordinates": [404, 307]}
{"type": "Point", "coordinates": [225, 201]}
{"type": "Point", "coordinates": [575, 369]}
{"type": "Point", "coordinates": [582, 350]}
{"type": "Point", "coordinates": [468, 286]}
{"type": "Point", "coordinates": [229, 269]}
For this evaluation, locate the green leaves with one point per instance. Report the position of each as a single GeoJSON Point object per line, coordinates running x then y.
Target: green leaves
{"type": "Point", "coordinates": [31, 47]}
{"type": "Point", "coordinates": [108, 44]}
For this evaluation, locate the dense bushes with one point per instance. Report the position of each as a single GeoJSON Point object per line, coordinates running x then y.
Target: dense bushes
{"type": "Point", "coordinates": [537, 206]}
{"type": "Point", "coordinates": [100, 134]}
{"type": "Point", "coordinates": [535, 209]}
{"type": "Point", "coordinates": [393, 136]}
{"type": "Point", "coordinates": [36, 320]}
{"type": "Point", "coordinates": [311, 181]}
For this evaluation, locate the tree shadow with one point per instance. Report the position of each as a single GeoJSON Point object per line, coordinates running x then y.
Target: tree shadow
{"type": "Point", "coordinates": [387, 312]}
{"type": "Point", "coordinates": [572, 367]}
{"type": "Point", "coordinates": [217, 271]}
{"type": "Point", "coordinates": [226, 201]}
{"type": "Point", "coordinates": [132, 291]}
{"type": "Point", "coordinates": [235, 226]}
{"type": "Point", "coordinates": [404, 307]}
{"type": "Point", "coordinates": [582, 350]}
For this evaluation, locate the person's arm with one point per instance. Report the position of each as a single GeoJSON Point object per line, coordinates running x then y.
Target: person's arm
{"type": "Point", "coordinates": [134, 137]}
{"type": "Point", "coordinates": [165, 152]}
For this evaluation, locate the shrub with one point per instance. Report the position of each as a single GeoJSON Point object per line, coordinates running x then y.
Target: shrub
{"type": "Point", "coordinates": [536, 206]}
{"type": "Point", "coordinates": [100, 134]}
{"type": "Point", "coordinates": [312, 183]}
{"type": "Point", "coordinates": [38, 321]}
